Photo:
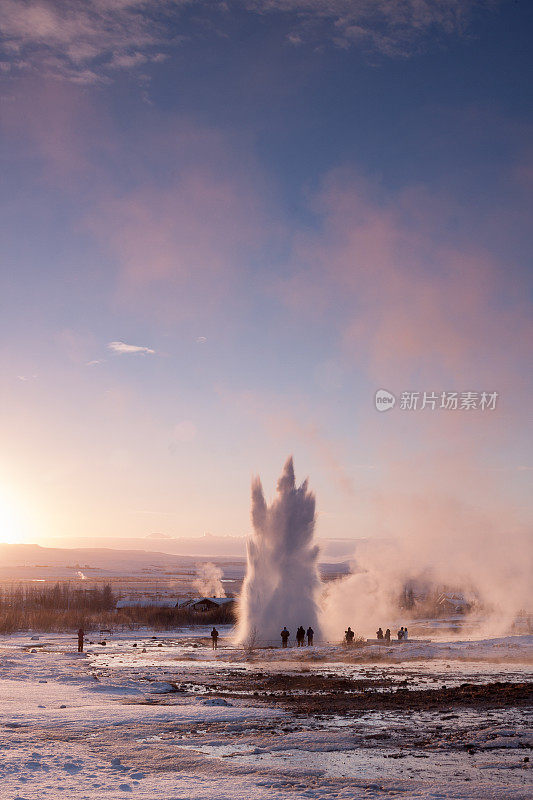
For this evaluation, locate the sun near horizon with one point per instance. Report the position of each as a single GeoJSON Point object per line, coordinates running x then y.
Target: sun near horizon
{"type": "Point", "coordinates": [12, 527]}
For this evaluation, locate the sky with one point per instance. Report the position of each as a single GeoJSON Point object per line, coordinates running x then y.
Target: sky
{"type": "Point", "coordinates": [226, 225]}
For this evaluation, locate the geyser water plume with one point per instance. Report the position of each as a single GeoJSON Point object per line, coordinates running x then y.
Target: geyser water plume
{"type": "Point", "coordinates": [282, 583]}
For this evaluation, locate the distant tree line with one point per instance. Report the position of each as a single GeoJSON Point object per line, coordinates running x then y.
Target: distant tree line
{"type": "Point", "coordinates": [60, 597]}
{"type": "Point", "coordinates": [63, 607]}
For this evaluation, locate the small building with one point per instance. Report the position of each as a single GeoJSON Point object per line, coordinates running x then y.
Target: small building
{"type": "Point", "coordinates": [206, 603]}
{"type": "Point", "coordinates": [453, 603]}
{"type": "Point", "coordinates": [192, 603]}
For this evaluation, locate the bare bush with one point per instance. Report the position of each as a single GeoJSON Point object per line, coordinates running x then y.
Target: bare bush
{"type": "Point", "coordinates": [250, 643]}
{"type": "Point", "coordinates": [62, 608]}
{"type": "Point", "coordinates": [358, 641]}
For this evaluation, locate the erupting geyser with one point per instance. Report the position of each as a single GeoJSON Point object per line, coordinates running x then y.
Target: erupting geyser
{"type": "Point", "coordinates": [282, 581]}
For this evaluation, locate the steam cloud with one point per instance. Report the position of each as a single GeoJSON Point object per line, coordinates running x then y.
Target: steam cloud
{"type": "Point", "coordinates": [282, 583]}
{"type": "Point", "coordinates": [208, 580]}
{"type": "Point", "coordinates": [488, 560]}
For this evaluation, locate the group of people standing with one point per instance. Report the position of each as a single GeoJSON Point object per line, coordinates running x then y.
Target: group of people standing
{"type": "Point", "coordinates": [403, 634]}
{"type": "Point", "coordinates": [301, 633]}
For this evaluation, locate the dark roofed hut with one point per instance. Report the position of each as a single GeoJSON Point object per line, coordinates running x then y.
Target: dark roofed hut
{"type": "Point", "coordinates": [207, 603]}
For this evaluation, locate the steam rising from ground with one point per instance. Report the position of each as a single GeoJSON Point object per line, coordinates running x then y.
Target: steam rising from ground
{"type": "Point", "coordinates": [208, 580]}
{"type": "Point", "coordinates": [488, 560]}
{"type": "Point", "coordinates": [282, 584]}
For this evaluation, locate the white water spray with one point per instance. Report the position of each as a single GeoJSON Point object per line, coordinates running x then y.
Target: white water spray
{"type": "Point", "coordinates": [282, 583]}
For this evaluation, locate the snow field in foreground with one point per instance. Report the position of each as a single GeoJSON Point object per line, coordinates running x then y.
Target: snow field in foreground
{"type": "Point", "coordinates": [63, 733]}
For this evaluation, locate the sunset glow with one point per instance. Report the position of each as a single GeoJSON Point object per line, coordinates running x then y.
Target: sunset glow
{"type": "Point", "coordinates": [12, 528]}
{"type": "Point", "coordinates": [266, 507]}
{"type": "Point", "coordinates": [224, 231]}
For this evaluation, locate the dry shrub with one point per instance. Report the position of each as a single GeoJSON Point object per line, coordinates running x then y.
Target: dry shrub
{"type": "Point", "coordinates": [60, 608]}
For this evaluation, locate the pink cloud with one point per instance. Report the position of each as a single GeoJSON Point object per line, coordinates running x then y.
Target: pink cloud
{"type": "Point", "coordinates": [415, 307]}
{"type": "Point", "coordinates": [81, 40]}
{"type": "Point", "coordinates": [194, 212]}
{"type": "Point", "coordinates": [184, 241]}
{"type": "Point", "coordinates": [199, 225]}
{"type": "Point", "coordinates": [84, 41]}
{"type": "Point", "coordinates": [411, 297]}
{"type": "Point", "coordinates": [59, 131]}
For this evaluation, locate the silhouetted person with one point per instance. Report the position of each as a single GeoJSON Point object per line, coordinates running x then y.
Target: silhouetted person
{"type": "Point", "coordinates": [349, 635]}
{"type": "Point", "coordinates": [400, 634]}
{"type": "Point", "coordinates": [405, 635]}
{"type": "Point", "coordinates": [300, 636]}
{"type": "Point", "coordinates": [379, 633]}
{"type": "Point", "coordinates": [284, 637]}
{"type": "Point", "coordinates": [81, 634]}
{"type": "Point", "coordinates": [310, 634]}
{"type": "Point", "coordinates": [214, 638]}
{"type": "Point", "coordinates": [387, 635]}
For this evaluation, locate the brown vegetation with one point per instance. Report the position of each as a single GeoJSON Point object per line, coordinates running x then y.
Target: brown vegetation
{"type": "Point", "coordinates": [63, 608]}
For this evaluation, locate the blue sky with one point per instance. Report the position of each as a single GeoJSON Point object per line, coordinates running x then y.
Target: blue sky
{"type": "Point", "coordinates": [292, 203]}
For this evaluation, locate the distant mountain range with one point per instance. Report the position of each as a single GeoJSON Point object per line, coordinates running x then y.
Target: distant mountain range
{"type": "Point", "coordinates": [34, 562]}
{"type": "Point", "coordinates": [207, 545]}
{"type": "Point", "coordinates": [31, 561]}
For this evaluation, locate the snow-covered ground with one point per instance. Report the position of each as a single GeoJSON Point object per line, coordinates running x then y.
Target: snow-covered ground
{"type": "Point", "coordinates": [110, 723]}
